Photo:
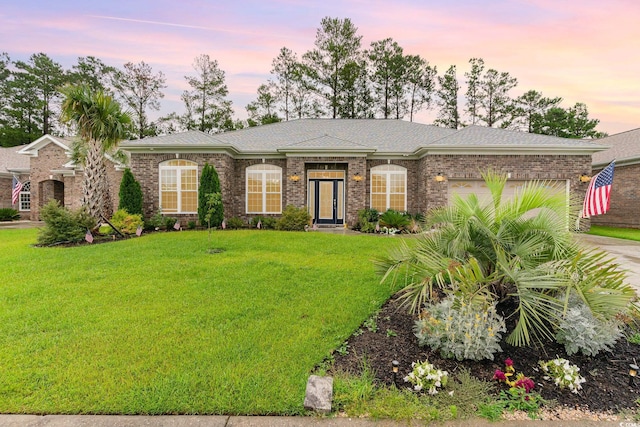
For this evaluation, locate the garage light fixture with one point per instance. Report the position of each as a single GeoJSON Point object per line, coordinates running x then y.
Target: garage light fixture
{"type": "Point", "coordinates": [357, 177]}
{"type": "Point", "coordinates": [294, 178]}
{"type": "Point", "coordinates": [584, 178]}
{"type": "Point", "coordinates": [440, 177]}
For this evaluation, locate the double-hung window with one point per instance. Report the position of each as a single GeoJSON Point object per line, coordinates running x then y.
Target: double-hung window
{"type": "Point", "coordinates": [179, 186]}
{"type": "Point", "coordinates": [264, 189]}
{"type": "Point", "coordinates": [389, 188]}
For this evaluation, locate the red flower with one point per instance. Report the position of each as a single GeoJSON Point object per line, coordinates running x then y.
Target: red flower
{"type": "Point", "coordinates": [508, 362]}
{"type": "Point", "coordinates": [499, 375]}
{"type": "Point", "coordinates": [526, 383]}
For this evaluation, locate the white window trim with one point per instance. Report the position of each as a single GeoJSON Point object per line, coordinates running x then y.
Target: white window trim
{"type": "Point", "coordinates": [24, 193]}
{"type": "Point", "coordinates": [388, 170]}
{"type": "Point", "coordinates": [262, 169]}
{"type": "Point", "coordinates": [164, 167]}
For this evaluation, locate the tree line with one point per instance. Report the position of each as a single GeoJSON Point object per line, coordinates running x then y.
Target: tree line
{"type": "Point", "coordinates": [337, 78]}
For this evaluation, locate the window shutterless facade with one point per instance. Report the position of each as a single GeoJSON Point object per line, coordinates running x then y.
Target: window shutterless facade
{"type": "Point", "coordinates": [389, 188]}
{"type": "Point", "coordinates": [179, 186]}
{"type": "Point", "coordinates": [264, 189]}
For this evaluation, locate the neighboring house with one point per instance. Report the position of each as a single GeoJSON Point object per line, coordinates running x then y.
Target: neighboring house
{"type": "Point", "coordinates": [624, 148]}
{"type": "Point", "coordinates": [335, 168]}
{"type": "Point", "coordinates": [13, 164]}
{"type": "Point", "coordinates": [51, 174]}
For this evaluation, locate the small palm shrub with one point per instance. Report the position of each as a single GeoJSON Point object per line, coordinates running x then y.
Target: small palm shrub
{"type": "Point", "coordinates": [125, 222]}
{"type": "Point", "coordinates": [394, 219]}
{"type": "Point", "coordinates": [367, 220]}
{"type": "Point", "coordinates": [522, 247]}
{"type": "Point", "coordinates": [461, 329]}
{"type": "Point", "coordinates": [63, 225]}
{"type": "Point", "coordinates": [293, 219]}
{"type": "Point", "coordinates": [9, 214]}
{"type": "Point", "coordinates": [580, 331]}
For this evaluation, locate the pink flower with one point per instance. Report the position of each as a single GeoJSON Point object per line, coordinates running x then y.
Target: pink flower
{"type": "Point", "coordinates": [499, 375]}
{"type": "Point", "coordinates": [508, 362]}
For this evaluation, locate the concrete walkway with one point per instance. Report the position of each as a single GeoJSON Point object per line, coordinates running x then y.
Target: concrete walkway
{"type": "Point", "coordinates": [626, 252]}
{"type": "Point", "coordinates": [226, 421]}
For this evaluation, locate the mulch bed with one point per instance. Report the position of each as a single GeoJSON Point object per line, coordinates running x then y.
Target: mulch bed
{"type": "Point", "coordinates": [606, 389]}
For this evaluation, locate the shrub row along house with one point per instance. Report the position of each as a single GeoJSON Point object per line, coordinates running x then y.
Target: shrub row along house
{"type": "Point", "coordinates": [332, 167]}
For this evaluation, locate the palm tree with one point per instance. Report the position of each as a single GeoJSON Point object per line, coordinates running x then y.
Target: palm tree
{"type": "Point", "coordinates": [516, 250]}
{"type": "Point", "coordinates": [101, 124]}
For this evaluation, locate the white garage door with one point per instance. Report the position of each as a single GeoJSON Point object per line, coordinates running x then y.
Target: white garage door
{"type": "Point", "coordinates": [467, 187]}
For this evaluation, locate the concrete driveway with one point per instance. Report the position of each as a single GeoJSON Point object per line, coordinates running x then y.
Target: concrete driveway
{"type": "Point", "coordinates": [626, 252]}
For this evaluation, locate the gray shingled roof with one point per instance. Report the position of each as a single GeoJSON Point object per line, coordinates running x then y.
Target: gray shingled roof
{"type": "Point", "coordinates": [10, 159]}
{"type": "Point", "coordinates": [189, 138]}
{"type": "Point", "coordinates": [381, 136]}
{"type": "Point", "coordinates": [624, 147]}
{"type": "Point", "coordinates": [485, 136]}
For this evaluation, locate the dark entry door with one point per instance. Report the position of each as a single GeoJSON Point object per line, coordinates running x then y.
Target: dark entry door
{"type": "Point", "coordinates": [327, 197]}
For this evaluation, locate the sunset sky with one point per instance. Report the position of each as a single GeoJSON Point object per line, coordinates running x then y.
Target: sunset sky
{"type": "Point", "coordinates": [583, 51]}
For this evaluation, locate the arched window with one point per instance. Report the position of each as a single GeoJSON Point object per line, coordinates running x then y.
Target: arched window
{"type": "Point", "coordinates": [24, 200]}
{"type": "Point", "coordinates": [389, 188]}
{"type": "Point", "coordinates": [178, 186]}
{"type": "Point", "coordinates": [264, 189]}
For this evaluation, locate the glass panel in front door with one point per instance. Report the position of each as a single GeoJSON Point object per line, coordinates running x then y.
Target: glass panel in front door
{"type": "Point", "coordinates": [325, 193]}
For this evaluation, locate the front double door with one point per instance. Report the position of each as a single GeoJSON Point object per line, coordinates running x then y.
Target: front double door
{"type": "Point", "coordinates": [326, 201]}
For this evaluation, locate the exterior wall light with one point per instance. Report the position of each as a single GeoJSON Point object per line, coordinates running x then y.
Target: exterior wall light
{"type": "Point", "coordinates": [395, 367]}
{"type": "Point", "coordinates": [584, 178]}
{"type": "Point", "coordinates": [294, 178]}
{"type": "Point", "coordinates": [633, 371]}
{"type": "Point", "coordinates": [440, 177]}
{"type": "Point", "coordinates": [358, 177]}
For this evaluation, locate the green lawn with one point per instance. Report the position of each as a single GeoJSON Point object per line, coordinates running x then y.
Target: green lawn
{"type": "Point", "coordinates": [156, 325]}
{"type": "Point", "coordinates": [621, 233]}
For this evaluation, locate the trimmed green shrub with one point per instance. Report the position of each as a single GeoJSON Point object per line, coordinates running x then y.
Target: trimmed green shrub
{"type": "Point", "coordinates": [125, 222]}
{"type": "Point", "coordinates": [266, 222]}
{"type": "Point", "coordinates": [461, 329]}
{"type": "Point", "coordinates": [9, 214]}
{"type": "Point", "coordinates": [235, 223]}
{"type": "Point", "coordinates": [367, 220]}
{"type": "Point", "coordinates": [581, 331]}
{"type": "Point", "coordinates": [209, 184]}
{"type": "Point", "coordinates": [156, 222]}
{"type": "Point", "coordinates": [191, 225]}
{"type": "Point", "coordinates": [293, 219]}
{"type": "Point", "coordinates": [130, 194]}
{"type": "Point", "coordinates": [63, 225]}
{"type": "Point", "coordinates": [169, 222]}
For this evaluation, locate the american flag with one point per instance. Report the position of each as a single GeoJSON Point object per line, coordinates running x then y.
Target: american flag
{"type": "Point", "coordinates": [224, 224]}
{"type": "Point", "coordinates": [15, 192]}
{"type": "Point", "coordinates": [259, 224]}
{"type": "Point", "coordinates": [139, 231]}
{"type": "Point", "coordinates": [596, 201]}
{"type": "Point", "coordinates": [176, 226]}
{"type": "Point", "coordinates": [88, 237]}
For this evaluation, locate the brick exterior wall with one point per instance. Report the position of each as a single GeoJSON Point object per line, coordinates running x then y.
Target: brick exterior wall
{"type": "Point", "coordinates": [625, 199]}
{"type": "Point", "coordinates": [6, 190]}
{"type": "Point", "coordinates": [423, 192]}
{"type": "Point", "coordinates": [521, 167]}
{"type": "Point", "coordinates": [46, 185]}
{"type": "Point", "coordinates": [145, 168]}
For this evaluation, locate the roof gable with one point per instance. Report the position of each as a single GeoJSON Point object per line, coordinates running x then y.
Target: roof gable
{"type": "Point", "coordinates": [33, 148]}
